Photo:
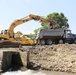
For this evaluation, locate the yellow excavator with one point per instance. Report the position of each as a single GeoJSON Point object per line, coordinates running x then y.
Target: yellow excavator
{"type": "Point", "coordinates": [24, 39]}
{"type": "Point", "coordinates": [7, 37]}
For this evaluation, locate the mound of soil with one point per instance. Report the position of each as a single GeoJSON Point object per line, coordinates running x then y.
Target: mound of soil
{"type": "Point", "coordinates": [61, 57]}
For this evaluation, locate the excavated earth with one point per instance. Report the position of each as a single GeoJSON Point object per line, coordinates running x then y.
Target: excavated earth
{"type": "Point", "coordinates": [61, 57]}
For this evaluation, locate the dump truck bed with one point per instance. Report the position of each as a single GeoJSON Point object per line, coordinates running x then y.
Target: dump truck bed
{"type": "Point", "coordinates": [50, 32]}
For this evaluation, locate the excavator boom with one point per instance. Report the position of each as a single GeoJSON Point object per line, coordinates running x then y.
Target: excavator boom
{"type": "Point", "coordinates": [16, 23]}
{"type": "Point", "coordinates": [28, 18]}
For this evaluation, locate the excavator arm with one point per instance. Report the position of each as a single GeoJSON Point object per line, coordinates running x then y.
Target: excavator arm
{"type": "Point", "coordinates": [16, 23]}
{"type": "Point", "coordinates": [28, 18]}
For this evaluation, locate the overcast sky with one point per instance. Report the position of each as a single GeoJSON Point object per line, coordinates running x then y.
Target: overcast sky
{"type": "Point", "coordinates": [11, 10]}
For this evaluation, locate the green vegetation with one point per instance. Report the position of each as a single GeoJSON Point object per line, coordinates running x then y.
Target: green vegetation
{"type": "Point", "coordinates": [60, 19]}
{"type": "Point", "coordinates": [32, 36]}
{"type": "Point", "coordinates": [1, 71]}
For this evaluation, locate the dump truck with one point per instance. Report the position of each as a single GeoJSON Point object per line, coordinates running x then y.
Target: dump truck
{"type": "Point", "coordinates": [55, 36]}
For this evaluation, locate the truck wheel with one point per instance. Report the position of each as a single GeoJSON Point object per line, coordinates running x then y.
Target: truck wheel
{"type": "Point", "coordinates": [42, 42]}
{"type": "Point", "coordinates": [49, 42]}
{"type": "Point", "coordinates": [75, 41]}
{"type": "Point", "coordinates": [61, 41]}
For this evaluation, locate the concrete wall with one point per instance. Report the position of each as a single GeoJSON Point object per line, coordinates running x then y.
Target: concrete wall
{"type": "Point", "coordinates": [10, 59]}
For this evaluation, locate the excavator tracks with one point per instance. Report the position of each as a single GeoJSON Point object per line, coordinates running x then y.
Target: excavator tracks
{"type": "Point", "coordinates": [9, 44]}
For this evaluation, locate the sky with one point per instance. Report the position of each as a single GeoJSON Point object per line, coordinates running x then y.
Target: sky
{"type": "Point", "coordinates": [11, 10]}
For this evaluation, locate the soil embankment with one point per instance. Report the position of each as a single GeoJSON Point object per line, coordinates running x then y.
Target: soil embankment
{"type": "Point", "coordinates": [61, 57]}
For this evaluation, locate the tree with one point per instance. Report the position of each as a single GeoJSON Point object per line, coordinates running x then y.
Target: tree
{"type": "Point", "coordinates": [44, 25]}
{"type": "Point", "coordinates": [32, 36]}
{"type": "Point", "coordinates": [36, 30]}
{"type": "Point", "coordinates": [60, 19]}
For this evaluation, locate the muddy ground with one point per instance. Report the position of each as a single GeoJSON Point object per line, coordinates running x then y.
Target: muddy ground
{"type": "Point", "coordinates": [60, 57]}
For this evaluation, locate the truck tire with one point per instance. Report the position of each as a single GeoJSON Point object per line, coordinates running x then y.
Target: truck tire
{"type": "Point", "coordinates": [42, 42]}
{"type": "Point", "coordinates": [61, 41]}
{"type": "Point", "coordinates": [75, 41]}
{"type": "Point", "coordinates": [49, 42]}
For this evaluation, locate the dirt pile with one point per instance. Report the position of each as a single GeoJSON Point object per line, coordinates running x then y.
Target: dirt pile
{"type": "Point", "coordinates": [60, 57]}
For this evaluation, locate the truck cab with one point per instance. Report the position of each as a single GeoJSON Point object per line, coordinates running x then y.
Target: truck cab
{"type": "Point", "coordinates": [69, 37]}
{"type": "Point", "coordinates": [66, 36]}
